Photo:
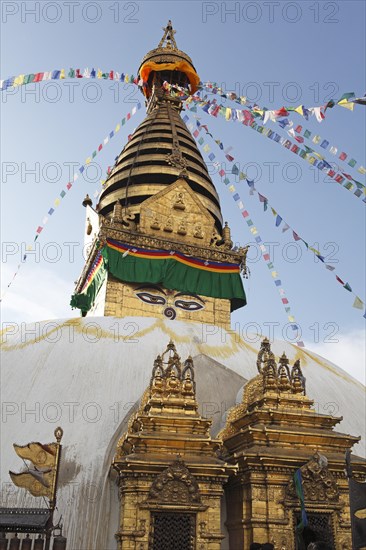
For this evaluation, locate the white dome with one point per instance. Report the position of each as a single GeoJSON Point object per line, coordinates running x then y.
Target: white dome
{"type": "Point", "coordinates": [85, 375]}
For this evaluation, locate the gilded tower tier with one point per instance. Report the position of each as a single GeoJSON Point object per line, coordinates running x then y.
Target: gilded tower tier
{"type": "Point", "coordinates": [160, 150]}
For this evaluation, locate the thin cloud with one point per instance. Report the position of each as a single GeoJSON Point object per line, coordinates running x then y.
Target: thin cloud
{"type": "Point", "coordinates": [348, 353]}
{"type": "Point", "coordinates": [36, 294]}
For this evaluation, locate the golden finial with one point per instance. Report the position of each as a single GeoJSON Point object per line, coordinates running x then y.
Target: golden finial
{"type": "Point", "coordinates": [168, 37]}
{"type": "Point", "coordinates": [284, 373]}
{"type": "Point", "coordinates": [58, 434]}
{"type": "Point", "coordinates": [87, 201]}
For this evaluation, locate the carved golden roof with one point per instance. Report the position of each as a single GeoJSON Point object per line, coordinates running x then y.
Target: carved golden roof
{"type": "Point", "coordinates": [275, 411]}
{"type": "Point", "coordinates": [168, 423]}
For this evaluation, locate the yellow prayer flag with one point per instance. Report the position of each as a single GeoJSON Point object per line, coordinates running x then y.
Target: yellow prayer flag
{"type": "Point", "coordinates": [318, 156]}
{"type": "Point", "coordinates": [254, 231]}
{"type": "Point", "coordinates": [57, 202]}
{"type": "Point", "coordinates": [361, 170]}
{"type": "Point", "coordinates": [18, 81]}
{"type": "Point", "coordinates": [88, 160]}
{"type": "Point", "coordinates": [118, 127]}
{"type": "Point", "coordinates": [62, 74]}
{"type": "Point", "coordinates": [291, 319]}
{"type": "Point", "coordinates": [99, 73]}
{"type": "Point", "coordinates": [358, 303]}
{"type": "Point", "coordinates": [347, 104]}
{"type": "Point", "coordinates": [316, 139]}
{"type": "Point", "coordinates": [299, 110]}
{"type": "Point", "coordinates": [127, 78]}
{"type": "Point", "coordinates": [274, 274]}
{"type": "Point", "coordinates": [228, 113]}
{"type": "Point", "coordinates": [231, 188]}
{"type": "Point", "coordinates": [314, 250]}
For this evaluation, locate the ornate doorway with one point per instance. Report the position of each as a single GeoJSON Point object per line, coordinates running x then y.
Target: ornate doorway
{"type": "Point", "coordinates": [173, 531]}
{"type": "Point", "coordinates": [319, 528]}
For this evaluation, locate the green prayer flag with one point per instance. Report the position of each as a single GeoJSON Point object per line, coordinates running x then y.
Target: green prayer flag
{"type": "Point", "coordinates": [28, 79]}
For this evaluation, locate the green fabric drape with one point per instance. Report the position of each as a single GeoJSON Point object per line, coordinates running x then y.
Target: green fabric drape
{"type": "Point", "coordinates": [174, 275]}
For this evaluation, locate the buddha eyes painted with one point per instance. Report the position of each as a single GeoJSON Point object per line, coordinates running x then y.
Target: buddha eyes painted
{"type": "Point", "coordinates": [188, 305]}
{"type": "Point", "coordinates": [151, 298]}
{"type": "Point", "coordinates": [155, 295]}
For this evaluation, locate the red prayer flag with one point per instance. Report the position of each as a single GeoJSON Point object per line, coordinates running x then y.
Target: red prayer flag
{"type": "Point", "coordinates": [222, 172]}
{"type": "Point", "coordinates": [245, 214]}
{"type": "Point", "coordinates": [38, 77]}
{"type": "Point", "coordinates": [339, 280]}
{"type": "Point", "coordinates": [100, 147]}
{"type": "Point", "coordinates": [77, 74]}
{"type": "Point", "coordinates": [331, 173]}
{"type": "Point", "coordinates": [281, 112]}
{"type": "Point", "coordinates": [39, 229]}
{"type": "Point", "coordinates": [296, 236]}
{"type": "Point", "coordinates": [111, 75]}
{"type": "Point", "coordinates": [298, 129]}
{"type": "Point", "coordinates": [128, 116]}
{"type": "Point", "coordinates": [69, 185]}
{"type": "Point", "coordinates": [300, 139]}
{"type": "Point", "coordinates": [284, 300]}
{"type": "Point", "coordinates": [343, 156]}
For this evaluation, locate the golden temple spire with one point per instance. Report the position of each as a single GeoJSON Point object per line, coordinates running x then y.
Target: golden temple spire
{"type": "Point", "coordinates": [159, 196]}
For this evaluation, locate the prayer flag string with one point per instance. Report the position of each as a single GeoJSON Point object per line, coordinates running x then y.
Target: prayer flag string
{"type": "Point", "coordinates": [280, 223]}
{"type": "Point", "coordinates": [307, 154]}
{"type": "Point", "coordinates": [253, 230]}
{"type": "Point", "coordinates": [62, 74]}
{"type": "Point", "coordinates": [68, 187]}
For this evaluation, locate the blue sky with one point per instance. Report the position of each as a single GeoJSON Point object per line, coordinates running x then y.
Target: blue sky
{"type": "Point", "coordinates": [312, 50]}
